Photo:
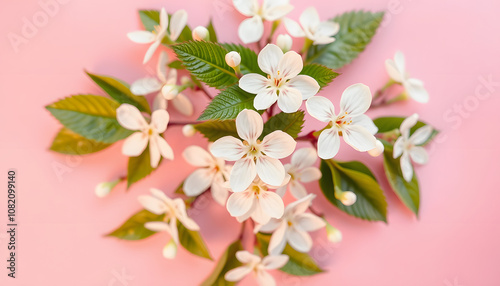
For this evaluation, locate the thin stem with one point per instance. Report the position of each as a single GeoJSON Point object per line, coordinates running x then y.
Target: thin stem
{"type": "Point", "coordinates": [205, 91]}
{"type": "Point", "coordinates": [273, 30]}
{"type": "Point", "coordinates": [181, 123]}
{"type": "Point", "coordinates": [242, 230]}
{"type": "Point", "coordinates": [315, 212]}
{"type": "Point", "coordinates": [259, 46]}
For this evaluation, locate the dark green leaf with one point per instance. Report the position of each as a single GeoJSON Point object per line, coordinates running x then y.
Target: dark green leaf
{"type": "Point", "coordinates": [207, 62]}
{"type": "Point", "coordinates": [133, 228]}
{"type": "Point", "coordinates": [226, 262]}
{"type": "Point", "coordinates": [356, 31]}
{"type": "Point", "coordinates": [320, 73]}
{"type": "Point", "coordinates": [215, 129]}
{"type": "Point", "coordinates": [249, 62]}
{"type": "Point", "coordinates": [299, 264]}
{"type": "Point", "coordinates": [408, 192]}
{"type": "Point", "coordinates": [211, 31]}
{"type": "Point", "coordinates": [192, 241]}
{"type": "Point", "coordinates": [71, 143]}
{"type": "Point", "coordinates": [290, 123]}
{"type": "Point", "coordinates": [151, 18]}
{"type": "Point", "coordinates": [139, 167]}
{"type": "Point", "coordinates": [120, 91]}
{"type": "Point", "coordinates": [370, 204]}
{"type": "Point", "coordinates": [91, 116]}
{"type": "Point", "coordinates": [228, 104]}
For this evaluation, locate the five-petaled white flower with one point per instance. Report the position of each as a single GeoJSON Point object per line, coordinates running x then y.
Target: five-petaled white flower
{"type": "Point", "coordinates": [301, 170]}
{"type": "Point", "coordinates": [293, 227]}
{"type": "Point", "coordinates": [256, 265]}
{"type": "Point", "coordinates": [131, 118]}
{"type": "Point", "coordinates": [414, 87]}
{"type": "Point", "coordinates": [407, 147]}
{"type": "Point", "coordinates": [356, 128]}
{"type": "Point", "coordinates": [252, 29]}
{"type": "Point", "coordinates": [257, 202]}
{"type": "Point", "coordinates": [174, 210]}
{"type": "Point", "coordinates": [177, 24]}
{"type": "Point", "coordinates": [213, 173]}
{"type": "Point", "coordinates": [253, 156]}
{"type": "Point", "coordinates": [320, 33]}
{"type": "Point", "coordinates": [283, 83]}
{"type": "Point", "coordinates": [166, 86]}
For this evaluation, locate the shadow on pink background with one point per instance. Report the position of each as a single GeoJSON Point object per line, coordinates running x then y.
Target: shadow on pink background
{"type": "Point", "coordinates": [451, 45]}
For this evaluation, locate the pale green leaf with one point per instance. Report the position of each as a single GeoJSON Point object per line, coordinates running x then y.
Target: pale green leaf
{"type": "Point", "coordinates": [71, 143]}
{"type": "Point", "coordinates": [192, 241]}
{"type": "Point", "coordinates": [226, 262]}
{"type": "Point", "coordinates": [139, 167]}
{"type": "Point", "coordinates": [133, 228]}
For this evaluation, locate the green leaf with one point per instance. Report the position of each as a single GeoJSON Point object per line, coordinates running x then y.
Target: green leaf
{"type": "Point", "coordinates": [228, 104]}
{"type": "Point", "coordinates": [151, 18]}
{"type": "Point", "coordinates": [299, 264]}
{"type": "Point", "coordinates": [120, 91]}
{"type": "Point", "coordinates": [207, 62]}
{"type": "Point", "coordinates": [211, 31]}
{"type": "Point", "coordinates": [389, 124]}
{"type": "Point", "coordinates": [139, 167]}
{"type": "Point", "coordinates": [226, 262]}
{"type": "Point", "coordinates": [176, 65]}
{"type": "Point", "coordinates": [249, 62]}
{"type": "Point", "coordinates": [323, 75]}
{"type": "Point", "coordinates": [192, 241]}
{"type": "Point", "coordinates": [370, 204]}
{"type": "Point", "coordinates": [356, 31]}
{"type": "Point", "coordinates": [215, 129]}
{"type": "Point", "coordinates": [133, 228]}
{"type": "Point", "coordinates": [71, 143]}
{"type": "Point", "coordinates": [408, 192]}
{"type": "Point", "coordinates": [290, 123]}
{"type": "Point", "coordinates": [91, 116]}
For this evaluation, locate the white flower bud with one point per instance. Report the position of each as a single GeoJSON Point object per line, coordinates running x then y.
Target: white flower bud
{"type": "Point", "coordinates": [188, 130]}
{"type": "Point", "coordinates": [200, 33]}
{"type": "Point", "coordinates": [233, 59]}
{"type": "Point", "coordinates": [346, 198]}
{"type": "Point", "coordinates": [379, 149]}
{"type": "Point", "coordinates": [334, 235]}
{"type": "Point", "coordinates": [170, 250]}
{"type": "Point", "coordinates": [185, 80]}
{"type": "Point", "coordinates": [104, 188]}
{"type": "Point", "coordinates": [284, 41]}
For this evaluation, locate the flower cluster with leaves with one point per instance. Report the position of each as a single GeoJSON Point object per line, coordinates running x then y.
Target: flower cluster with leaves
{"type": "Point", "coordinates": [265, 89]}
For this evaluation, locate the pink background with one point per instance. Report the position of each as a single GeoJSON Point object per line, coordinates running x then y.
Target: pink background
{"type": "Point", "coordinates": [451, 45]}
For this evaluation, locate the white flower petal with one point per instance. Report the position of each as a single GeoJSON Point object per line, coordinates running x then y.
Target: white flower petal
{"type": "Point", "coordinates": [416, 90]}
{"type": "Point", "coordinates": [161, 68]}
{"type": "Point", "coordinates": [253, 83]}
{"type": "Point", "coordinates": [171, 78]}
{"type": "Point", "coordinates": [282, 190]}
{"type": "Point", "coordinates": [323, 40]}
{"type": "Point", "coordinates": [289, 100]}
{"type": "Point", "coordinates": [278, 145]}
{"type": "Point", "coordinates": [320, 108]}
{"type": "Point", "coordinates": [399, 61]}
{"type": "Point", "coordinates": [398, 147]}
{"type": "Point", "coordinates": [251, 30]}
{"type": "Point", "coordinates": [154, 151]}
{"type": "Point", "coordinates": [356, 99]}
{"type": "Point", "coordinates": [239, 204]}
{"type": "Point", "coordinates": [165, 149]}
{"type": "Point", "coordinates": [419, 155]}
{"type": "Point", "coordinates": [327, 29]}
{"type": "Point", "coordinates": [237, 273]}
{"type": "Point", "coordinates": [160, 102]}
{"type": "Point", "coordinates": [197, 156]}
{"type": "Point", "coordinates": [153, 204]}
{"type": "Point", "coordinates": [366, 122]}
{"type": "Point", "coordinates": [269, 59]}
{"type": "Point", "coordinates": [219, 192]}
{"type": "Point", "coordinates": [177, 24]}
{"type": "Point", "coordinates": [151, 50]}
{"type": "Point", "coordinates": [270, 226]}
{"type": "Point", "coordinates": [258, 215]}
{"type": "Point", "coordinates": [378, 150]}
{"type": "Point", "coordinates": [183, 104]}
{"type": "Point", "coordinates": [157, 226]}
{"type": "Point", "coordinates": [249, 125]}
{"type": "Point", "coordinates": [242, 174]}
{"type": "Point", "coordinates": [271, 204]}
{"type": "Point", "coordinates": [406, 167]}
{"type": "Point", "coordinates": [198, 182]}
{"type": "Point", "coordinates": [309, 222]}
{"type": "Point", "coordinates": [290, 65]}
{"type": "Point", "coordinates": [307, 85]}
{"type": "Point", "coordinates": [141, 37]}
{"type": "Point", "coordinates": [309, 19]}
{"type": "Point", "coordinates": [246, 257]}
{"type": "Point", "coordinates": [299, 206]}
{"type": "Point", "coordinates": [393, 72]}
{"type": "Point", "coordinates": [299, 240]}
{"type": "Point", "coordinates": [159, 120]}
{"type": "Point", "coordinates": [293, 28]}
{"type": "Point", "coordinates": [248, 8]}
{"type": "Point", "coordinates": [421, 135]}
{"type": "Point", "coordinates": [297, 190]}
{"type": "Point", "coordinates": [163, 19]}
{"type": "Point", "coordinates": [274, 261]}
{"type": "Point", "coordinates": [273, 10]}
{"type": "Point", "coordinates": [278, 240]}
{"type": "Point", "coordinates": [130, 117]}
{"type": "Point", "coordinates": [328, 143]}
{"type": "Point", "coordinates": [304, 157]}
{"type": "Point", "coordinates": [359, 138]}
{"type": "Point", "coordinates": [265, 279]}
{"type": "Point", "coordinates": [228, 148]}
{"type": "Point", "coordinates": [310, 174]}
{"type": "Point", "coordinates": [270, 171]}
{"type": "Point", "coordinates": [264, 99]}
{"type": "Point", "coordinates": [407, 124]}
{"type": "Point", "coordinates": [135, 144]}
{"type": "Point", "coordinates": [145, 86]}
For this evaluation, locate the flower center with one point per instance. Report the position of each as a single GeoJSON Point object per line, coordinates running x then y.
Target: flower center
{"type": "Point", "coordinates": [150, 131]}
{"type": "Point", "coordinates": [253, 149]}
{"type": "Point", "coordinates": [342, 120]}
{"type": "Point", "coordinates": [277, 82]}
